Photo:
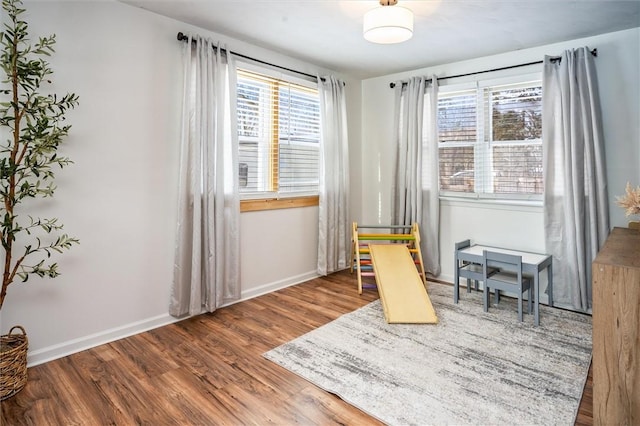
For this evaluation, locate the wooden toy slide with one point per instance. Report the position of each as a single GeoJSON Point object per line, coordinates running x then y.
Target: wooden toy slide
{"type": "Point", "coordinates": [402, 292]}
{"type": "Point", "coordinates": [401, 234]}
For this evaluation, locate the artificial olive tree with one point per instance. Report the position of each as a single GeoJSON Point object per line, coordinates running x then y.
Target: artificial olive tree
{"type": "Point", "coordinates": [31, 130]}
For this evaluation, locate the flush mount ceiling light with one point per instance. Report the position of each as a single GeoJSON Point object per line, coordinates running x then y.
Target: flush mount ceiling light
{"type": "Point", "coordinates": [388, 24]}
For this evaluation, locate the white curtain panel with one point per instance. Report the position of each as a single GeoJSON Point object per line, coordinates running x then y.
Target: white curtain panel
{"type": "Point", "coordinates": [334, 229]}
{"type": "Point", "coordinates": [415, 188]}
{"type": "Point", "coordinates": [407, 186]}
{"type": "Point", "coordinates": [576, 215]}
{"type": "Point", "coordinates": [207, 257]}
{"type": "Point", "coordinates": [430, 224]}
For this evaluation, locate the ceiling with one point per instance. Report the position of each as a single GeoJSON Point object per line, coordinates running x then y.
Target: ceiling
{"type": "Point", "coordinates": [329, 32]}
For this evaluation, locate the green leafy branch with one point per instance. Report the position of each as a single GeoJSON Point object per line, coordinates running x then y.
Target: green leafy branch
{"type": "Point", "coordinates": [29, 157]}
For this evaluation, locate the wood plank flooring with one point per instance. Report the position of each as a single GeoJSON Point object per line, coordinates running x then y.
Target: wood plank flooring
{"type": "Point", "coordinates": [206, 370]}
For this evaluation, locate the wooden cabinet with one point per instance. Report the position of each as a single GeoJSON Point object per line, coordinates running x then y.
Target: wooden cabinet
{"type": "Point", "coordinates": [616, 330]}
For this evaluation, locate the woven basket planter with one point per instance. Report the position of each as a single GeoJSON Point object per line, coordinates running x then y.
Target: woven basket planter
{"type": "Point", "coordinates": [13, 362]}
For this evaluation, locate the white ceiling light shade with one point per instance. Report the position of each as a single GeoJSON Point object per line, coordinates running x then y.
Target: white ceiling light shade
{"type": "Point", "coordinates": [388, 24]}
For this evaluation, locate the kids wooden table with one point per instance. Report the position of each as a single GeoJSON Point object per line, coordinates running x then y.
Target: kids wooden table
{"type": "Point", "coordinates": [532, 264]}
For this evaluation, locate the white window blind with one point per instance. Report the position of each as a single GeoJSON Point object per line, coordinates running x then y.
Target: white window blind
{"type": "Point", "coordinates": [515, 138]}
{"type": "Point", "coordinates": [457, 140]}
{"type": "Point", "coordinates": [490, 140]}
{"type": "Point", "coordinates": [278, 135]}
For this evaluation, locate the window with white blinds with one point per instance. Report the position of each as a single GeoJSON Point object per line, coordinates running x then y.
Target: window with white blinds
{"type": "Point", "coordinates": [278, 135]}
{"type": "Point", "coordinates": [490, 140]}
{"type": "Point", "coordinates": [457, 140]}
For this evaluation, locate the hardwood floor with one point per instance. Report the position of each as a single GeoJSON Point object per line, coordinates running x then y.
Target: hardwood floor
{"type": "Point", "coordinates": [204, 370]}
{"type": "Point", "coordinates": [585, 412]}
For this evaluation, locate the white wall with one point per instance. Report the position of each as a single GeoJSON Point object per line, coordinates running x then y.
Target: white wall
{"type": "Point", "coordinates": [518, 227]}
{"type": "Point", "coordinates": [119, 198]}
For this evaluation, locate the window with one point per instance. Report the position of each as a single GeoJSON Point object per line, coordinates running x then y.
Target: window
{"type": "Point", "coordinates": [490, 140]}
{"type": "Point", "coordinates": [278, 135]}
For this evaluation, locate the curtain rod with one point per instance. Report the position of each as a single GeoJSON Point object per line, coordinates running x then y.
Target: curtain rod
{"type": "Point", "coordinates": [182, 37]}
{"type": "Point", "coordinates": [594, 52]}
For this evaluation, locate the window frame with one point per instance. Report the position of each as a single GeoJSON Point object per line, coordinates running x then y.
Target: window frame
{"type": "Point", "coordinates": [274, 197]}
{"type": "Point", "coordinates": [483, 146]}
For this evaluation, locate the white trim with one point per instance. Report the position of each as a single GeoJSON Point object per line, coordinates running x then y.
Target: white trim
{"type": "Point", "coordinates": [70, 347]}
{"type": "Point", "coordinates": [515, 80]}
{"type": "Point", "coordinates": [452, 89]}
{"type": "Point", "coordinates": [495, 204]}
{"type": "Point", "coordinates": [91, 341]}
{"type": "Point", "coordinates": [277, 285]}
{"type": "Point", "coordinates": [277, 73]}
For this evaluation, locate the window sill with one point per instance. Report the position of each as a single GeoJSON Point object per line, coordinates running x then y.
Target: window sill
{"type": "Point", "coordinates": [275, 204]}
{"type": "Point", "coordinates": [493, 204]}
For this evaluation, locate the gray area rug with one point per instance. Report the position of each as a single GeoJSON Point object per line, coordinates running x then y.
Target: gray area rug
{"type": "Point", "coordinates": [471, 368]}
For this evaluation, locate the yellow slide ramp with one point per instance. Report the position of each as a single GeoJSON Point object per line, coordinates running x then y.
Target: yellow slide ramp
{"type": "Point", "coordinates": [402, 292]}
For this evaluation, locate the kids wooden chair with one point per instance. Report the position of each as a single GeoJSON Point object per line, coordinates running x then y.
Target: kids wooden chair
{"type": "Point", "coordinates": [509, 278]}
{"type": "Point", "coordinates": [470, 271]}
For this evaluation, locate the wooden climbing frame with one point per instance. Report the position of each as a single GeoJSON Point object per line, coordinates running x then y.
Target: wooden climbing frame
{"type": "Point", "coordinates": [360, 258]}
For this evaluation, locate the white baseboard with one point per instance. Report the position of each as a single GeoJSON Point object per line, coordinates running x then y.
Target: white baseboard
{"type": "Point", "coordinates": [91, 341]}
{"type": "Point", "coordinates": [277, 285]}
{"type": "Point", "coordinates": [444, 277]}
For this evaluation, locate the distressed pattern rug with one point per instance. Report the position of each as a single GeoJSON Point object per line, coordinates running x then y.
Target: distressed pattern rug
{"type": "Point", "coordinates": [471, 368]}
